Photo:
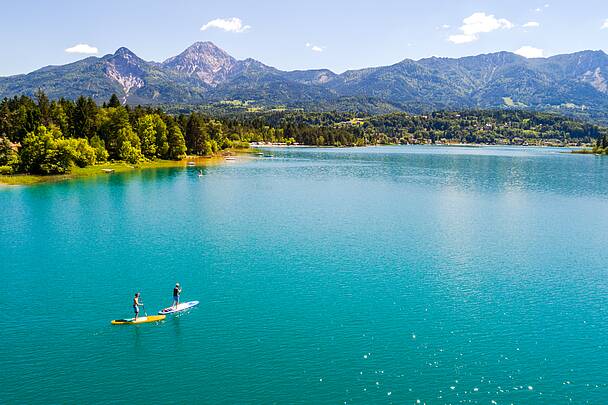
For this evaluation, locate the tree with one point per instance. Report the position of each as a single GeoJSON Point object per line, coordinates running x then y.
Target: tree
{"type": "Point", "coordinates": [84, 117]}
{"type": "Point", "coordinates": [58, 117]}
{"type": "Point", "coordinates": [35, 147]}
{"type": "Point", "coordinates": [44, 151]}
{"type": "Point", "coordinates": [128, 153]}
{"type": "Point", "coordinates": [214, 128]}
{"type": "Point", "coordinates": [162, 146]}
{"type": "Point", "coordinates": [176, 143]}
{"type": "Point", "coordinates": [114, 101]}
{"type": "Point", "coordinates": [110, 122]}
{"type": "Point", "coordinates": [147, 135]}
{"type": "Point", "coordinates": [197, 135]}
{"type": "Point", "coordinates": [44, 106]}
{"type": "Point", "coordinates": [9, 159]}
{"type": "Point", "coordinates": [101, 154]}
{"type": "Point", "coordinates": [79, 151]}
{"type": "Point", "coordinates": [128, 148]}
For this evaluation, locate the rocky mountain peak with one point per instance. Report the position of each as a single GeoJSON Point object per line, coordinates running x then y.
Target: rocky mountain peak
{"type": "Point", "coordinates": [126, 69]}
{"type": "Point", "coordinates": [205, 47]}
{"type": "Point", "coordinates": [125, 53]}
{"type": "Point", "coordinates": [204, 60]}
{"type": "Point", "coordinates": [204, 73]}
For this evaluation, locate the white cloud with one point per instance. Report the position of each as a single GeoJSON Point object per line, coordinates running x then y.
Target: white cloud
{"type": "Point", "coordinates": [233, 24]}
{"type": "Point", "coordinates": [604, 25]}
{"type": "Point", "coordinates": [461, 38]}
{"type": "Point", "coordinates": [530, 52]}
{"type": "Point", "coordinates": [476, 24]}
{"type": "Point", "coordinates": [445, 26]}
{"type": "Point", "coordinates": [315, 48]}
{"type": "Point", "coordinates": [531, 24]}
{"type": "Point", "coordinates": [82, 48]}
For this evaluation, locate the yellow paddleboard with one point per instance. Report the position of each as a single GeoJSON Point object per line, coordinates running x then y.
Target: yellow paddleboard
{"type": "Point", "coordinates": [141, 319]}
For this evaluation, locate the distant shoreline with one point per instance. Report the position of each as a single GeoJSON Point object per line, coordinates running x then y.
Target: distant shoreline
{"type": "Point", "coordinates": [462, 145]}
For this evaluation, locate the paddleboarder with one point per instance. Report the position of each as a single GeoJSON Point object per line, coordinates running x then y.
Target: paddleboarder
{"type": "Point", "coordinates": [177, 290]}
{"type": "Point", "coordinates": [136, 305]}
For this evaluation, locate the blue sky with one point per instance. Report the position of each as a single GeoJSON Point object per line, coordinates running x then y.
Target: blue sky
{"type": "Point", "coordinates": [339, 35]}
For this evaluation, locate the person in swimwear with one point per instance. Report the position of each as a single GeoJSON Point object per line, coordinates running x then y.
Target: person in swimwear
{"type": "Point", "coordinates": [136, 305]}
{"type": "Point", "coordinates": [177, 290]}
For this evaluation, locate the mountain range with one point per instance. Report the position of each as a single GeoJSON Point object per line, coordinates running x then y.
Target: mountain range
{"type": "Point", "coordinates": [204, 73]}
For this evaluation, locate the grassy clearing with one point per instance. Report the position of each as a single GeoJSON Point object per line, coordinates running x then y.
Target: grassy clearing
{"type": "Point", "coordinates": [587, 151]}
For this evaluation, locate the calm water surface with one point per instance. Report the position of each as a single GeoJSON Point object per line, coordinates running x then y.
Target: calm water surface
{"type": "Point", "coordinates": [375, 275]}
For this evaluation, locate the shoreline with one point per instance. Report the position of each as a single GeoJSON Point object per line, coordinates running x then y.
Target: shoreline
{"type": "Point", "coordinates": [455, 145]}
{"type": "Point", "coordinates": [110, 168]}
{"type": "Point", "coordinates": [477, 145]}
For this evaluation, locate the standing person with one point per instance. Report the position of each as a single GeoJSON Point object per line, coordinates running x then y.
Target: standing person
{"type": "Point", "coordinates": [176, 292]}
{"type": "Point", "coordinates": [136, 305]}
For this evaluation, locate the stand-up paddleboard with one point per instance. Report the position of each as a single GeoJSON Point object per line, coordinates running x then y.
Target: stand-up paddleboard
{"type": "Point", "coordinates": [141, 319]}
{"type": "Point", "coordinates": [180, 307]}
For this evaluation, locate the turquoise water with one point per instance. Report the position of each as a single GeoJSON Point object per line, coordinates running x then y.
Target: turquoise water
{"type": "Point", "coordinates": [372, 275]}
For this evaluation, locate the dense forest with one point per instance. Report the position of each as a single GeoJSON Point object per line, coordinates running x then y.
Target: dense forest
{"type": "Point", "coordinates": [471, 126]}
{"type": "Point", "coordinates": [601, 145]}
{"type": "Point", "coordinates": [43, 136]}
{"type": "Point", "coordinates": [49, 137]}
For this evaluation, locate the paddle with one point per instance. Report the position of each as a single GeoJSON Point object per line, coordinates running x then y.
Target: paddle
{"type": "Point", "coordinates": [144, 307]}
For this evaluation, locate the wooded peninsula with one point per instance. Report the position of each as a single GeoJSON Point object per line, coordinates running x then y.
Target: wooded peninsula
{"type": "Point", "coordinates": [43, 136]}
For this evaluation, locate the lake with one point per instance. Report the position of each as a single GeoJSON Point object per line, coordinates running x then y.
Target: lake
{"type": "Point", "coordinates": [353, 275]}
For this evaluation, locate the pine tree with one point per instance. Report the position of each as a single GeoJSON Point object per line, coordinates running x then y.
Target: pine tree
{"type": "Point", "coordinates": [197, 136]}
{"type": "Point", "coordinates": [44, 106]}
{"type": "Point", "coordinates": [84, 117]}
{"type": "Point", "coordinates": [114, 101]}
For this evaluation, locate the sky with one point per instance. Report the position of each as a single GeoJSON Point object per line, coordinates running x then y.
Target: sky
{"type": "Point", "coordinates": [338, 35]}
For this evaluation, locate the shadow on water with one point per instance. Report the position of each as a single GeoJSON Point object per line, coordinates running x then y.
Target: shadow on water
{"type": "Point", "coordinates": [176, 326]}
{"type": "Point", "coordinates": [137, 343]}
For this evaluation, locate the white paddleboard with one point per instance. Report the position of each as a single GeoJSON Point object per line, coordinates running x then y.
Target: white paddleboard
{"type": "Point", "coordinates": [180, 307]}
